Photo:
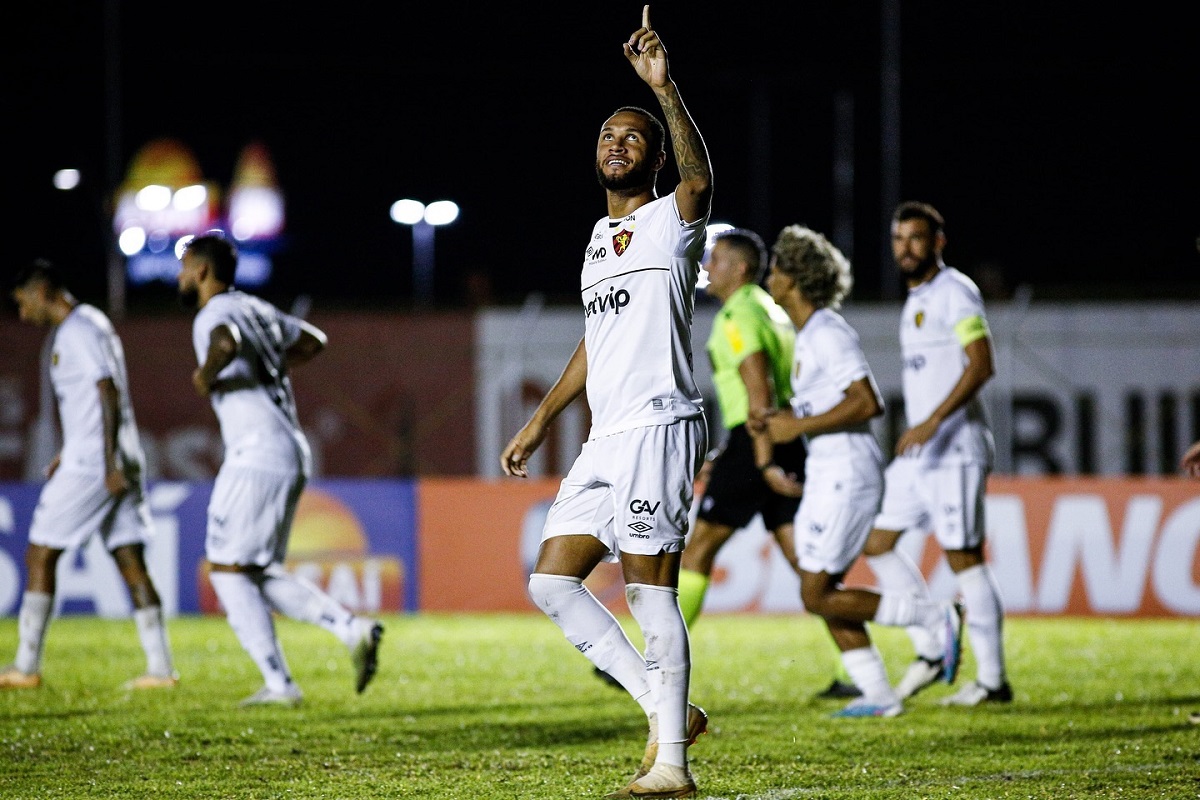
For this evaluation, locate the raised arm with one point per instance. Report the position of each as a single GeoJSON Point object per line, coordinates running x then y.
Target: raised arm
{"type": "Point", "coordinates": [648, 56]}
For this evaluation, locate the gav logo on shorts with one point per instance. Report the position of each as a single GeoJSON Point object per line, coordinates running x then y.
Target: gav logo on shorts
{"type": "Point", "coordinates": [615, 300]}
{"type": "Point", "coordinates": [643, 520]}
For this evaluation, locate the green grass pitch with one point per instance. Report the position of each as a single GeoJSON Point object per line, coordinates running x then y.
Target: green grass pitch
{"type": "Point", "coordinates": [501, 706]}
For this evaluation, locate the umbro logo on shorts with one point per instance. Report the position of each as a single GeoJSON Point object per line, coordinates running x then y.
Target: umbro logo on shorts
{"type": "Point", "coordinates": [640, 527]}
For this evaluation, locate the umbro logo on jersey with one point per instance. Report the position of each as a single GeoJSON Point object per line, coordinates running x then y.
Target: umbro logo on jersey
{"type": "Point", "coordinates": [621, 241]}
{"type": "Point", "coordinates": [615, 300]}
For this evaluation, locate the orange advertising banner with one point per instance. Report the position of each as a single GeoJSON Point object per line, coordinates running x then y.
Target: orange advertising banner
{"type": "Point", "coordinates": [1058, 546]}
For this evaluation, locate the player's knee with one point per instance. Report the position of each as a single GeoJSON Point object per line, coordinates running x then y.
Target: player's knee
{"type": "Point", "coordinates": [548, 591]}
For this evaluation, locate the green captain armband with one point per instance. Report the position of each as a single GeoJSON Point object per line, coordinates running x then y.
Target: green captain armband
{"type": "Point", "coordinates": [971, 329]}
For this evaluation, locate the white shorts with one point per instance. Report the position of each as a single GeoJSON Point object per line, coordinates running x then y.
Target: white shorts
{"type": "Point", "coordinates": [632, 490]}
{"type": "Point", "coordinates": [833, 520]}
{"type": "Point", "coordinates": [250, 515]}
{"type": "Point", "coordinates": [74, 506]}
{"type": "Point", "coordinates": [947, 500]}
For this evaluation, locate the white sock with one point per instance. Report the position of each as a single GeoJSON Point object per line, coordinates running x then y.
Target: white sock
{"type": "Point", "coordinates": [32, 621]}
{"type": "Point", "coordinates": [898, 574]}
{"type": "Point", "coordinates": [668, 663]}
{"type": "Point", "coordinates": [865, 667]}
{"type": "Point", "coordinates": [251, 621]}
{"type": "Point", "coordinates": [153, 635]}
{"type": "Point", "coordinates": [916, 614]}
{"type": "Point", "coordinates": [985, 623]}
{"type": "Point", "coordinates": [593, 630]}
{"type": "Point", "coordinates": [303, 600]}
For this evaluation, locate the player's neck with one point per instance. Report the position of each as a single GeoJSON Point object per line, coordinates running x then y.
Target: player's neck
{"type": "Point", "coordinates": [926, 276]}
{"type": "Point", "coordinates": [622, 205]}
{"type": "Point", "coordinates": [62, 307]}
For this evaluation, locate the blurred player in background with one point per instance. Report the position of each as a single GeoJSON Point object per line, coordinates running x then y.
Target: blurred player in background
{"type": "Point", "coordinates": [750, 350]}
{"type": "Point", "coordinates": [96, 483]}
{"type": "Point", "coordinates": [834, 398]}
{"type": "Point", "coordinates": [246, 348]}
{"type": "Point", "coordinates": [938, 477]}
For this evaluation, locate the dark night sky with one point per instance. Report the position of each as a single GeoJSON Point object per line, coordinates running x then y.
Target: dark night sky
{"type": "Point", "coordinates": [1058, 139]}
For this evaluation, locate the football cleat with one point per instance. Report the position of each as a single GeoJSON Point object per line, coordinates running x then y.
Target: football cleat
{"type": "Point", "coordinates": [697, 725]}
{"type": "Point", "coordinates": [955, 615]}
{"type": "Point", "coordinates": [149, 681]}
{"type": "Point", "coordinates": [663, 780]}
{"type": "Point", "coordinates": [839, 689]}
{"type": "Point", "coordinates": [921, 673]}
{"type": "Point", "coordinates": [366, 656]}
{"type": "Point", "coordinates": [862, 707]}
{"type": "Point", "coordinates": [268, 697]}
{"type": "Point", "coordinates": [13, 678]}
{"type": "Point", "coordinates": [975, 693]}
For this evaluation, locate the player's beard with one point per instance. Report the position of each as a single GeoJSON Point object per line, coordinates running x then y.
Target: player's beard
{"type": "Point", "coordinates": [637, 177]}
{"type": "Point", "coordinates": [921, 270]}
{"type": "Point", "coordinates": [189, 298]}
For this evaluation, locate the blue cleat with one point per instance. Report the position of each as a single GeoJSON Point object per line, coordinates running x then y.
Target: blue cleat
{"type": "Point", "coordinates": [952, 653]}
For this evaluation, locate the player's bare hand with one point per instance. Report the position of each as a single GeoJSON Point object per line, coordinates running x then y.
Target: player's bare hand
{"type": "Point", "coordinates": [782, 482]}
{"type": "Point", "coordinates": [779, 425]}
{"type": "Point", "coordinates": [913, 439]}
{"type": "Point", "coordinates": [646, 52]}
{"type": "Point", "coordinates": [201, 383]}
{"type": "Point", "coordinates": [516, 454]}
{"type": "Point", "coordinates": [116, 483]}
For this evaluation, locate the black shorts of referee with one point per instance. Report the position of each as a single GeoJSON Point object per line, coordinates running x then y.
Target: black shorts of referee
{"type": "Point", "coordinates": [736, 490]}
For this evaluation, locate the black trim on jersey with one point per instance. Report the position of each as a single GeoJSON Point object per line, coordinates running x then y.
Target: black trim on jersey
{"type": "Point", "coordinates": [623, 274]}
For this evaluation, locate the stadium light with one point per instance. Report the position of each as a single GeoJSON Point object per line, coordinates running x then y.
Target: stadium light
{"type": "Point", "coordinates": [423, 219]}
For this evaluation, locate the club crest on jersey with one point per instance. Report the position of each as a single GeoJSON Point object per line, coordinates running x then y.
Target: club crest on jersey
{"type": "Point", "coordinates": [54, 359]}
{"type": "Point", "coordinates": [621, 241]}
{"type": "Point", "coordinates": [919, 319]}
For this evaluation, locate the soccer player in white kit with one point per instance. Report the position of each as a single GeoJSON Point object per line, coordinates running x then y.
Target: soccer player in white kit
{"type": "Point", "coordinates": [938, 477]}
{"type": "Point", "coordinates": [245, 347]}
{"type": "Point", "coordinates": [834, 398]}
{"type": "Point", "coordinates": [628, 494]}
{"type": "Point", "coordinates": [96, 483]}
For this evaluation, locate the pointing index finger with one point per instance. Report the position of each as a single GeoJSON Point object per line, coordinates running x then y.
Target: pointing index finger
{"type": "Point", "coordinates": [646, 17]}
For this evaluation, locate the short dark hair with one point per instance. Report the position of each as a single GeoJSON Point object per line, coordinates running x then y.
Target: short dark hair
{"type": "Point", "coordinates": [40, 269]}
{"type": "Point", "coordinates": [218, 251]}
{"type": "Point", "coordinates": [658, 134]}
{"type": "Point", "coordinates": [914, 209]}
{"type": "Point", "coordinates": [750, 246]}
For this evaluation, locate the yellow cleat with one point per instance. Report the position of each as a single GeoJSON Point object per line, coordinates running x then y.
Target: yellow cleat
{"type": "Point", "coordinates": [149, 681]}
{"type": "Point", "coordinates": [13, 678]}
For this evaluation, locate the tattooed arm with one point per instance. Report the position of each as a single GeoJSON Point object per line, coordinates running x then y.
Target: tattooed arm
{"type": "Point", "coordinates": [648, 56]}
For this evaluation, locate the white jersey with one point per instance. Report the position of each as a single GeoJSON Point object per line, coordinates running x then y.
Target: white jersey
{"type": "Point", "coordinates": [638, 288]}
{"type": "Point", "coordinates": [253, 397]}
{"type": "Point", "coordinates": [86, 350]}
{"type": "Point", "coordinates": [933, 362]}
{"type": "Point", "coordinates": [828, 358]}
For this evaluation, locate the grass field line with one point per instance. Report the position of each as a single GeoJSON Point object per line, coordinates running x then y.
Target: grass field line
{"type": "Point", "coordinates": [962, 783]}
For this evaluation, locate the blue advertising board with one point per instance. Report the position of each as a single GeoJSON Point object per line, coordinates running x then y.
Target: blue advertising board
{"type": "Point", "coordinates": [356, 538]}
